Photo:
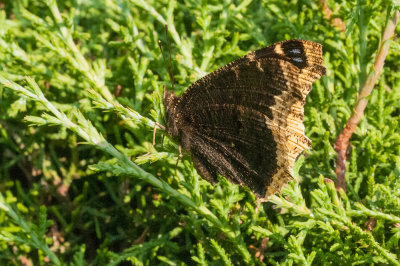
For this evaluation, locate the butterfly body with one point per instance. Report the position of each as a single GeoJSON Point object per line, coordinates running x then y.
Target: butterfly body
{"type": "Point", "coordinates": [245, 120]}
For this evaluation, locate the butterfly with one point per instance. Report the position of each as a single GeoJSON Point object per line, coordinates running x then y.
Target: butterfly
{"type": "Point", "coordinates": [244, 121]}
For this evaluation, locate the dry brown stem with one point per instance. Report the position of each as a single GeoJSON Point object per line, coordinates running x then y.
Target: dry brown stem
{"type": "Point", "coordinates": [261, 250]}
{"type": "Point", "coordinates": [343, 139]}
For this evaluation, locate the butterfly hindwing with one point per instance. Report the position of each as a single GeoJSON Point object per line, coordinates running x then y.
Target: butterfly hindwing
{"type": "Point", "coordinates": [245, 120]}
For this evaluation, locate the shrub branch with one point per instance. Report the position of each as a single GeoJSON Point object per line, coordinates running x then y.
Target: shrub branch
{"type": "Point", "coordinates": [342, 142]}
{"type": "Point", "coordinates": [89, 133]}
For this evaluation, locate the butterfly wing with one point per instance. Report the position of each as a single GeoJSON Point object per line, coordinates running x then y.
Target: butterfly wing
{"type": "Point", "coordinates": [245, 120]}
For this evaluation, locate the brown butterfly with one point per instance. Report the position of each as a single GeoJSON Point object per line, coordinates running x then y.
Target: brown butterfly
{"type": "Point", "coordinates": [244, 121]}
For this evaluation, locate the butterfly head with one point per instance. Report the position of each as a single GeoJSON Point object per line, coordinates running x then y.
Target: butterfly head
{"type": "Point", "coordinates": [170, 100]}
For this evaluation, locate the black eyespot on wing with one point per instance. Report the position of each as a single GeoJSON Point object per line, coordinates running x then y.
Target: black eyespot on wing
{"type": "Point", "coordinates": [300, 53]}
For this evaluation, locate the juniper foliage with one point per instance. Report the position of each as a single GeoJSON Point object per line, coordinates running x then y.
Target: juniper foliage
{"type": "Point", "coordinates": [80, 88]}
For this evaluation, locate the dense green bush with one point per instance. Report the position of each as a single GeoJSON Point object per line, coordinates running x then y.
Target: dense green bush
{"type": "Point", "coordinates": [80, 93]}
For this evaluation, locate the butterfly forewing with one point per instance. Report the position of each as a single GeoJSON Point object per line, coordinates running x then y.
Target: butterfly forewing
{"type": "Point", "coordinates": [245, 120]}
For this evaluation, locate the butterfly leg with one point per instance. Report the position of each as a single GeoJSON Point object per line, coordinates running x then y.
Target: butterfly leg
{"type": "Point", "coordinates": [154, 137]}
{"type": "Point", "coordinates": [180, 152]}
{"type": "Point", "coordinates": [180, 155]}
{"type": "Point", "coordinates": [154, 140]}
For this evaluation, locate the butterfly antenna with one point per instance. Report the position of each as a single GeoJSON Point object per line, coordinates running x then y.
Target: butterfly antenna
{"type": "Point", "coordinates": [162, 53]}
{"type": "Point", "coordinates": [169, 70]}
{"type": "Point", "coordinates": [170, 59]}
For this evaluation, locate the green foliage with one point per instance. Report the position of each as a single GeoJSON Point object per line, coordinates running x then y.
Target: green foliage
{"type": "Point", "coordinates": [80, 92]}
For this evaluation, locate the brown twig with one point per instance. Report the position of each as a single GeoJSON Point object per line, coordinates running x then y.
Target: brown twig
{"type": "Point", "coordinates": [142, 237]}
{"type": "Point", "coordinates": [260, 251]}
{"type": "Point", "coordinates": [343, 139]}
{"type": "Point", "coordinates": [336, 22]}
